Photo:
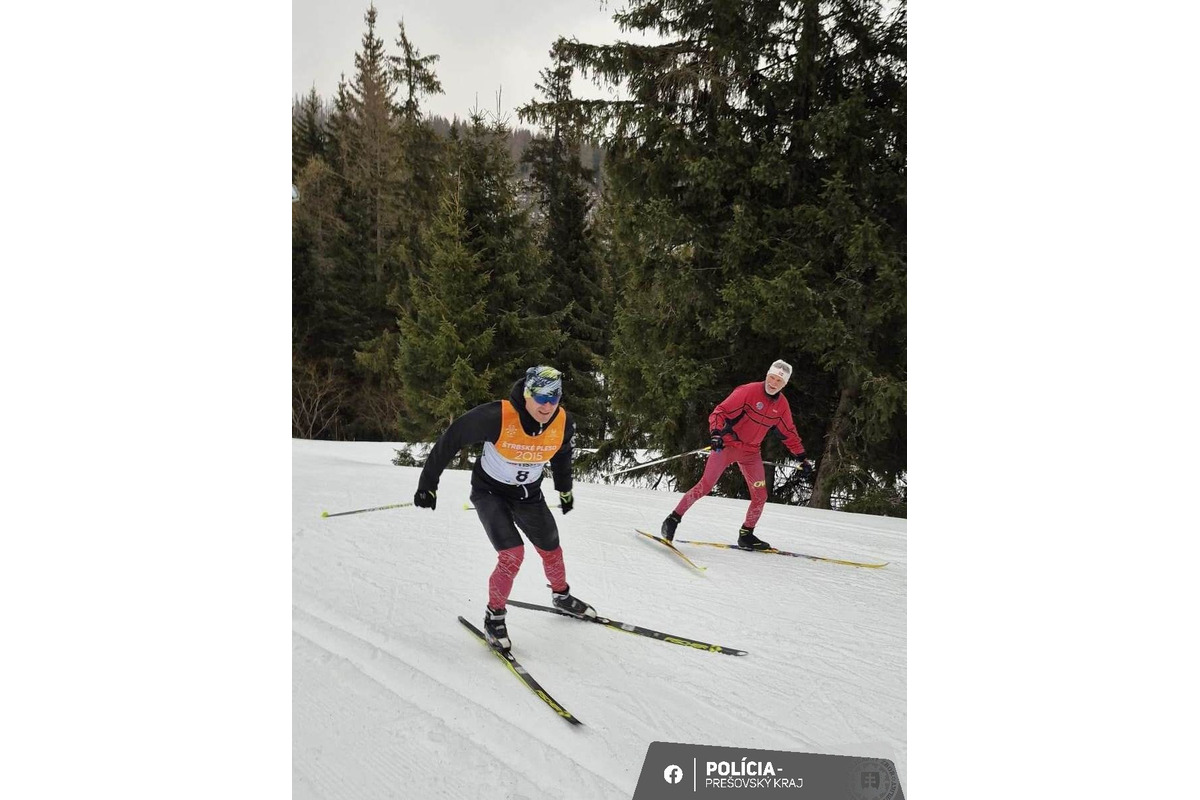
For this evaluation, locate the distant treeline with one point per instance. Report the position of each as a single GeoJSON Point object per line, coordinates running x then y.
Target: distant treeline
{"type": "Point", "coordinates": [590, 154]}
{"type": "Point", "coordinates": [746, 203]}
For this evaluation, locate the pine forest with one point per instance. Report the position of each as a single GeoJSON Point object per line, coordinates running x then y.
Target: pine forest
{"type": "Point", "coordinates": [741, 199]}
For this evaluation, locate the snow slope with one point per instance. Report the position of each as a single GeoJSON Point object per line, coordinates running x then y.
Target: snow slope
{"type": "Point", "coordinates": [386, 682]}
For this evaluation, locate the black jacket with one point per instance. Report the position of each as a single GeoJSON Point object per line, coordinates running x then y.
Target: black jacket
{"type": "Point", "coordinates": [482, 424]}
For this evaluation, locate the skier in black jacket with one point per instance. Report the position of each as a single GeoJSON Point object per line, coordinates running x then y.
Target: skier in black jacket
{"type": "Point", "coordinates": [520, 436]}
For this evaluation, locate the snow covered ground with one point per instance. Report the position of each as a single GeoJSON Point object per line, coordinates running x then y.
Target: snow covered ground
{"type": "Point", "coordinates": [386, 682]}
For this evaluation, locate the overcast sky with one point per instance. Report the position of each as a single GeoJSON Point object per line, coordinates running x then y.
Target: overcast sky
{"type": "Point", "coordinates": [485, 46]}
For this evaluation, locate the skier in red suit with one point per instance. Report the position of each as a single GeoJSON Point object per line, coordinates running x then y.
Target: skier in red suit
{"type": "Point", "coordinates": [737, 428]}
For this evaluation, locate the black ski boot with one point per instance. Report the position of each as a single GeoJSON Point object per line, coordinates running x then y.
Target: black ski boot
{"type": "Point", "coordinates": [496, 629]}
{"type": "Point", "coordinates": [748, 541]}
{"type": "Point", "coordinates": [668, 526]}
{"type": "Point", "coordinates": [564, 601]}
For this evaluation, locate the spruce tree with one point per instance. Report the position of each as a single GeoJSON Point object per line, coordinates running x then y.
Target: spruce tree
{"type": "Point", "coordinates": [561, 189]}
{"type": "Point", "coordinates": [414, 73]}
{"type": "Point", "coordinates": [371, 259]}
{"type": "Point", "coordinates": [308, 131]}
{"type": "Point", "coordinates": [342, 314]}
{"type": "Point", "coordinates": [422, 151]}
{"type": "Point", "coordinates": [419, 172]}
{"type": "Point", "coordinates": [442, 357]}
{"type": "Point", "coordinates": [326, 320]}
{"type": "Point", "coordinates": [373, 155]}
{"type": "Point", "coordinates": [338, 137]}
{"type": "Point", "coordinates": [476, 317]}
{"type": "Point", "coordinates": [761, 150]}
{"type": "Point", "coordinates": [499, 230]}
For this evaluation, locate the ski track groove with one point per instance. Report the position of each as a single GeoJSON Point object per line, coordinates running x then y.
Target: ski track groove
{"type": "Point", "coordinates": [375, 770]}
{"type": "Point", "coordinates": [386, 768]}
{"type": "Point", "coordinates": [519, 694]}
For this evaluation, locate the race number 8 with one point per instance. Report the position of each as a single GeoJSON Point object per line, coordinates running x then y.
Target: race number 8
{"type": "Point", "coordinates": [522, 476]}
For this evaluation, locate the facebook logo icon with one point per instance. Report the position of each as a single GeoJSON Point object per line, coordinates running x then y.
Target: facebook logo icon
{"type": "Point", "coordinates": [673, 774]}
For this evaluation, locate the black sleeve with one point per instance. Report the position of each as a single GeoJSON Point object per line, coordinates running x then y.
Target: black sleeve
{"type": "Point", "coordinates": [560, 464]}
{"type": "Point", "coordinates": [480, 424]}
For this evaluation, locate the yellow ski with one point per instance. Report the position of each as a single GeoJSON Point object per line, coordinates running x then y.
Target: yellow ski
{"type": "Point", "coordinates": [775, 552]}
{"type": "Point", "coordinates": [672, 548]}
{"type": "Point", "coordinates": [522, 674]}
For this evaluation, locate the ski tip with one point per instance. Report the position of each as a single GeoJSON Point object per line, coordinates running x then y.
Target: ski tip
{"type": "Point", "coordinates": [673, 549]}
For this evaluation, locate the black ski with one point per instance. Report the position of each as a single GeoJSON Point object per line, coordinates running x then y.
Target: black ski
{"type": "Point", "coordinates": [523, 674]}
{"type": "Point", "coordinates": [640, 631]}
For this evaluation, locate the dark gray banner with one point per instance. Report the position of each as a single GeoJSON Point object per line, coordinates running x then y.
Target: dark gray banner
{"type": "Point", "coordinates": [674, 771]}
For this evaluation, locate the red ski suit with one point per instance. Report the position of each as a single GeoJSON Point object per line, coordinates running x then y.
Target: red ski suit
{"type": "Point", "coordinates": [743, 419]}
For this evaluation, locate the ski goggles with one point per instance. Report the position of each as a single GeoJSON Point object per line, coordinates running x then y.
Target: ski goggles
{"type": "Point", "coordinates": [546, 399]}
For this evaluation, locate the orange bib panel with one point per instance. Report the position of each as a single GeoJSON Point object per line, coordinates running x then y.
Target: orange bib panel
{"type": "Point", "coordinates": [518, 458]}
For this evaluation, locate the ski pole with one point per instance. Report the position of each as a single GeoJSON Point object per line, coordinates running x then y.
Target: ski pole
{"type": "Point", "coordinates": [469, 507]}
{"type": "Point", "coordinates": [659, 461]}
{"type": "Point", "coordinates": [365, 510]}
{"type": "Point", "coordinates": [788, 466]}
{"type": "Point", "coordinates": [781, 466]}
{"type": "Point", "coordinates": [812, 480]}
{"type": "Point", "coordinates": [852, 468]}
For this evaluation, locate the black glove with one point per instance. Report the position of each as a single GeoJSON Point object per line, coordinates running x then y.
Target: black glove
{"type": "Point", "coordinates": [567, 500]}
{"type": "Point", "coordinates": [424, 498]}
{"type": "Point", "coordinates": [716, 442]}
{"type": "Point", "coordinates": [807, 470]}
